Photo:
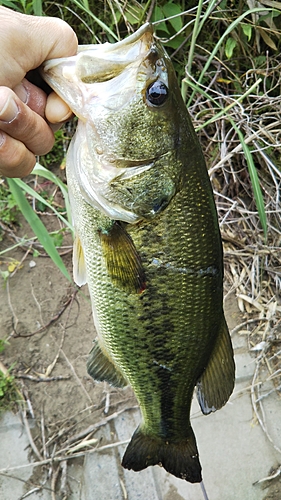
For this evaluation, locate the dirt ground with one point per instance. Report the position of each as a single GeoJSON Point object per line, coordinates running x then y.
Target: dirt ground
{"type": "Point", "coordinates": [50, 329]}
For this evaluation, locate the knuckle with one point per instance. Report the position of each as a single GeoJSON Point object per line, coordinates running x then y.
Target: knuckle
{"type": "Point", "coordinates": [15, 159]}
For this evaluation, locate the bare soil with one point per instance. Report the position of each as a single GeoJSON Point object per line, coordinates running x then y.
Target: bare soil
{"type": "Point", "coordinates": [49, 326]}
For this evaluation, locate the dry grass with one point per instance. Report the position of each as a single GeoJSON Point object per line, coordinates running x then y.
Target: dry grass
{"type": "Point", "coordinates": [252, 262]}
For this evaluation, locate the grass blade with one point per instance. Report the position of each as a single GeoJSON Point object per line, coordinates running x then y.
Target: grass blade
{"type": "Point", "coordinates": [25, 187]}
{"type": "Point", "coordinates": [254, 179]}
{"type": "Point", "coordinates": [47, 174]}
{"type": "Point", "coordinates": [37, 226]}
{"type": "Point", "coordinates": [231, 27]}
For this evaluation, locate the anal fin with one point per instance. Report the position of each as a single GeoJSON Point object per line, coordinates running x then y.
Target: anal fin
{"type": "Point", "coordinates": [122, 259]}
{"type": "Point", "coordinates": [217, 382]}
{"type": "Point", "coordinates": [101, 368]}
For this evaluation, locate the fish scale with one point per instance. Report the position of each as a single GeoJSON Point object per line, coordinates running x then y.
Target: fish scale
{"type": "Point", "coordinates": [147, 243]}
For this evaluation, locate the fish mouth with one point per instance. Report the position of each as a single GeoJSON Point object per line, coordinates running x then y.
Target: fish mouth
{"type": "Point", "coordinates": [96, 64]}
{"type": "Point", "coordinates": [145, 29]}
{"type": "Point", "coordinates": [109, 60]}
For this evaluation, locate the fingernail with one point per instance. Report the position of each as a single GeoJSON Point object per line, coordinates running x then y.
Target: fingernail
{"type": "Point", "coordinates": [9, 110]}
{"type": "Point", "coordinates": [21, 92]}
{"type": "Point", "coordinates": [2, 139]}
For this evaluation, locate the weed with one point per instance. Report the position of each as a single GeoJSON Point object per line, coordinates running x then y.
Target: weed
{"type": "Point", "coordinates": [9, 211]}
{"type": "Point", "coordinates": [8, 389]}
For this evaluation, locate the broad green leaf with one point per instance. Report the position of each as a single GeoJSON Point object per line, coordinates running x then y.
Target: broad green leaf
{"type": "Point", "coordinates": [158, 19]}
{"type": "Point", "coordinates": [37, 7]}
{"type": "Point", "coordinates": [37, 226]}
{"type": "Point", "coordinates": [247, 30]}
{"type": "Point", "coordinates": [229, 47]}
{"type": "Point", "coordinates": [175, 42]}
{"type": "Point", "coordinates": [171, 9]}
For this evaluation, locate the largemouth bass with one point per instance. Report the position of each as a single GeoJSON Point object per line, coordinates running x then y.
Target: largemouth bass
{"type": "Point", "coordinates": [147, 243]}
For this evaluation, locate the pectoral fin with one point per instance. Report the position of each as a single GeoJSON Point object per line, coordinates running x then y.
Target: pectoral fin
{"type": "Point", "coordinates": [122, 259]}
{"type": "Point", "coordinates": [79, 266]}
{"type": "Point", "coordinates": [217, 382]}
{"type": "Point", "coordinates": [101, 368]}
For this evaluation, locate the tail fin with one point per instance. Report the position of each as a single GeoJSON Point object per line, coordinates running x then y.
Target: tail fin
{"type": "Point", "coordinates": [180, 459]}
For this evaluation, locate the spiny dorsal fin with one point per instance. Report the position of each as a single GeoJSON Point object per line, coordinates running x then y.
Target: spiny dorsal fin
{"type": "Point", "coordinates": [122, 259]}
{"type": "Point", "coordinates": [217, 382]}
{"type": "Point", "coordinates": [101, 368]}
{"type": "Point", "coordinates": [79, 265]}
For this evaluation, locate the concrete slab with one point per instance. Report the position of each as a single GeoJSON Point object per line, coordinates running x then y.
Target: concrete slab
{"type": "Point", "coordinates": [234, 453]}
{"type": "Point", "coordinates": [14, 452]}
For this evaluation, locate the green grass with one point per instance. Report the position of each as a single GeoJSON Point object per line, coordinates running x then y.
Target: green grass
{"type": "Point", "coordinates": [8, 389]}
{"type": "Point", "coordinates": [200, 37]}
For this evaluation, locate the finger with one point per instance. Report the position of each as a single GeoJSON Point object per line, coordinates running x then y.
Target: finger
{"type": "Point", "coordinates": [57, 111]}
{"type": "Point", "coordinates": [15, 159]}
{"type": "Point", "coordinates": [27, 41]}
{"type": "Point", "coordinates": [23, 124]}
{"type": "Point", "coordinates": [31, 95]}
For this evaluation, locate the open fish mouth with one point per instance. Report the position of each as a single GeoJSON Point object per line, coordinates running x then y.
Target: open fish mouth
{"type": "Point", "coordinates": [111, 59]}
{"type": "Point", "coordinates": [95, 64]}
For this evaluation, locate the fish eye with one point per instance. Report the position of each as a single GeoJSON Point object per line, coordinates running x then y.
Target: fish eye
{"type": "Point", "coordinates": [157, 93]}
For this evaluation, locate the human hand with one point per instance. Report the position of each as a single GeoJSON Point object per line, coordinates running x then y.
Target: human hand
{"type": "Point", "coordinates": [25, 110]}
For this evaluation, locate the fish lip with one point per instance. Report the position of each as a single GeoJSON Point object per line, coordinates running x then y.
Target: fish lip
{"type": "Point", "coordinates": [146, 28]}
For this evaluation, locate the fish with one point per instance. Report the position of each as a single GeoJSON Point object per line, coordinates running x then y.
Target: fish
{"type": "Point", "coordinates": [147, 242]}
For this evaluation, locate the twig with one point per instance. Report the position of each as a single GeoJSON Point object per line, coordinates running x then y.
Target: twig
{"type": "Point", "coordinates": [125, 494]}
{"type": "Point", "coordinates": [83, 444]}
{"type": "Point", "coordinates": [42, 379]}
{"type": "Point", "coordinates": [107, 402]}
{"type": "Point", "coordinates": [31, 442]}
{"type": "Point", "coordinates": [76, 376]}
{"type": "Point", "coordinates": [30, 492]}
{"type": "Point", "coordinates": [269, 478]}
{"type": "Point", "coordinates": [53, 482]}
{"type": "Point", "coordinates": [21, 262]}
{"type": "Point", "coordinates": [45, 453]}
{"type": "Point", "coordinates": [37, 303]}
{"type": "Point", "coordinates": [14, 316]}
{"type": "Point", "coordinates": [26, 397]}
{"type": "Point", "coordinates": [96, 426]}
{"type": "Point", "coordinates": [62, 458]}
{"type": "Point", "coordinates": [52, 320]}
{"type": "Point", "coordinates": [52, 365]}
{"type": "Point", "coordinates": [63, 486]}
{"type": "Point", "coordinates": [254, 404]}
